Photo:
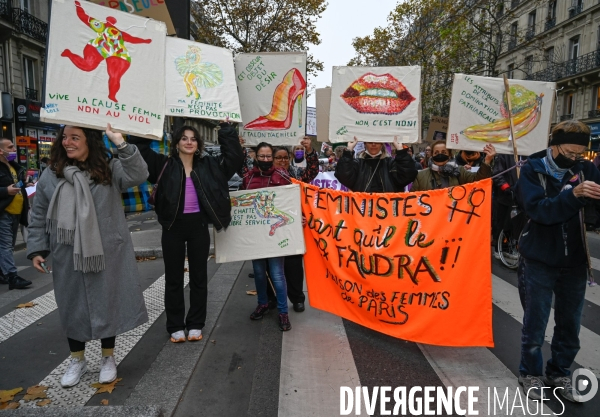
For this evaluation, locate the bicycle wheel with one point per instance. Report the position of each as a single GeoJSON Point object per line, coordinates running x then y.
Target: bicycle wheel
{"type": "Point", "coordinates": [508, 250]}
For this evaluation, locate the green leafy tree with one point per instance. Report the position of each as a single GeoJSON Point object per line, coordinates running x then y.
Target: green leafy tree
{"type": "Point", "coordinates": [260, 25]}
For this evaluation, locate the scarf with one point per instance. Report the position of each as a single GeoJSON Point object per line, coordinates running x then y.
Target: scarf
{"type": "Point", "coordinates": [72, 215]}
{"type": "Point", "coordinates": [551, 168]}
{"type": "Point", "coordinates": [449, 169]}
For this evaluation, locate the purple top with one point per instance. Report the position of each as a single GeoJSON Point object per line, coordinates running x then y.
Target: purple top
{"type": "Point", "coordinates": [191, 198]}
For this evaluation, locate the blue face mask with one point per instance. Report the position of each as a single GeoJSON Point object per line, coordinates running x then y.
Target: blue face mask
{"type": "Point", "coordinates": [11, 156]}
{"type": "Point", "coordinates": [299, 155]}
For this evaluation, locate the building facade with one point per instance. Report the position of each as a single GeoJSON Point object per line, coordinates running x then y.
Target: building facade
{"type": "Point", "coordinates": [559, 41]}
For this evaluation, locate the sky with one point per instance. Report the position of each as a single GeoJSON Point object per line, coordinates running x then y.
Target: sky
{"type": "Point", "coordinates": [343, 21]}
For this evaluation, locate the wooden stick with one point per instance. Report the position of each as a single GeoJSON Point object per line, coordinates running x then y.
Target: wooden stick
{"type": "Point", "coordinates": [512, 127]}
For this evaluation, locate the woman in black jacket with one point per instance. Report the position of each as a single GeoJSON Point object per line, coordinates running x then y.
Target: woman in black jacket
{"type": "Point", "coordinates": [374, 171]}
{"type": "Point", "coordinates": [192, 192]}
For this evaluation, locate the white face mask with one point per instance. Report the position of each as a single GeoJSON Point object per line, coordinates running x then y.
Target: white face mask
{"type": "Point", "coordinates": [377, 154]}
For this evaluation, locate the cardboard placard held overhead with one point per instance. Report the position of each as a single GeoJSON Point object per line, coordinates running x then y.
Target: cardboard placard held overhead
{"type": "Point", "coordinates": [200, 81]}
{"type": "Point", "coordinates": [153, 9]}
{"type": "Point", "coordinates": [375, 104]}
{"type": "Point", "coordinates": [265, 223]}
{"type": "Point", "coordinates": [479, 114]}
{"type": "Point", "coordinates": [107, 67]}
{"type": "Point", "coordinates": [323, 99]}
{"type": "Point", "coordinates": [438, 126]}
{"type": "Point", "coordinates": [272, 88]}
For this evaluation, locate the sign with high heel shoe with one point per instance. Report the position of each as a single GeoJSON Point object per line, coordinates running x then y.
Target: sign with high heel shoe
{"type": "Point", "coordinates": [272, 88]}
{"type": "Point", "coordinates": [265, 223]}
{"type": "Point", "coordinates": [375, 104]}
{"type": "Point", "coordinates": [105, 66]}
{"type": "Point", "coordinates": [200, 81]}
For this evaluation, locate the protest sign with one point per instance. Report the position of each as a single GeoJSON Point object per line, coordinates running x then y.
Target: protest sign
{"type": "Point", "coordinates": [272, 88]}
{"type": "Point", "coordinates": [265, 223]}
{"type": "Point", "coordinates": [154, 9]}
{"type": "Point", "coordinates": [411, 265]}
{"type": "Point", "coordinates": [438, 126]}
{"type": "Point", "coordinates": [200, 81]}
{"type": "Point", "coordinates": [323, 99]}
{"type": "Point", "coordinates": [375, 104]}
{"type": "Point", "coordinates": [328, 180]}
{"type": "Point", "coordinates": [311, 121]}
{"type": "Point", "coordinates": [479, 114]}
{"type": "Point", "coordinates": [108, 67]}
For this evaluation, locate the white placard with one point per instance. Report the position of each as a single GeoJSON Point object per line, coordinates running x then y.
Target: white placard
{"type": "Point", "coordinates": [272, 88]}
{"type": "Point", "coordinates": [375, 104]}
{"type": "Point", "coordinates": [87, 43]}
{"type": "Point", "coordinates": [266, 223]}
{"type": "Point", "coordinates": [328, 180]}
{"type": "Point", "coordinates": [311, 121]}
{"type": "Point", "coordinates": [200, 81]}
{"type": "Point", "coordinates": [479, 114]}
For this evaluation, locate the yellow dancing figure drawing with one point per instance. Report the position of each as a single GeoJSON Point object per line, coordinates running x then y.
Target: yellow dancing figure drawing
{"type": "Point", "coordinates": [197, 74]}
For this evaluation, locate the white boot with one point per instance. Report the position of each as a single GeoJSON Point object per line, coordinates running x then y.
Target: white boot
{"type": "Point", "coordinates": [108, 370]}
{"type": "Point", "coordinates": [77, 368]}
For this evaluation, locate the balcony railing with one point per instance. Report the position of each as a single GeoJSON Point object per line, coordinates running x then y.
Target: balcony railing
{"type": "Point", "coordinates": [566, 117]}
{"type": "Point", "coordinates": [31, 94]}
{"type": "Point", "coordinates": [575, 10]}
{"type": "Point", "coordinates": [530, 33]}
{"type": "Point", "coordinates": [514, 3]}
{"type": "Point", "coordinates": [594, 113]}
{"type": "Point", "coordinates": [550, 23]}
{"type": "Point", "coordinates": [569, 68]}
{"type": "Point", "coordinates": [23, 21]}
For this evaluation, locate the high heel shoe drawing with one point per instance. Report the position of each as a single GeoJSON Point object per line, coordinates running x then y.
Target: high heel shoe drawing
{"type": "Point", "coordinates": [287, 93]}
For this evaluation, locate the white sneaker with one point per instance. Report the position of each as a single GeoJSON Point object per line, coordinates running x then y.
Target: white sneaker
{"type": "Point", "coordinates": [194, 335]}
{"type": "Point", "coordinates": [178, 336]}
{"type": "Point", "coordinates": [108, 370]}
{"type": "Point", "coordinates": [77, 368]}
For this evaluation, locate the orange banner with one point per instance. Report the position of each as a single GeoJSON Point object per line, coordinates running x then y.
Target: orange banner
{"type": "Point", "coordinates": [416, 266]}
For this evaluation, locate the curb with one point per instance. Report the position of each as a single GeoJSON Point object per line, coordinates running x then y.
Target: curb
{"type": "Point", "coordinates": [100, 411]}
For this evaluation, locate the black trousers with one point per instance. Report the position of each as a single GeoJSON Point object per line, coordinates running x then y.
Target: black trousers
{"type": "Point", "coordinates": [500, 220]}
{"type": "Point", "coordinates": [77, 346]}
{"type": "Point", "coordinates": [294, 277]}
{"type": "Point", "coordinates": [187, 229]}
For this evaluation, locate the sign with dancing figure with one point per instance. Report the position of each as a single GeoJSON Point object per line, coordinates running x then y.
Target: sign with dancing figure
{"type": "Point", "coordinates": [272, 88]}
{"type": "Point", "coordinates": [107, 67]}
{"type": "Point", "coordinates": [265, 223]}
{"type": "Point", "coordinates": [479, 114]}
{"type": "Point", "coordinates": [375, 104]}
{"type": "Point", "coordinates": [200, 81]}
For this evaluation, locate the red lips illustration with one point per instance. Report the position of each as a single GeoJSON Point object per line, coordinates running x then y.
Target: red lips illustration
{"type": "Point", "coordinates": [377, 94]}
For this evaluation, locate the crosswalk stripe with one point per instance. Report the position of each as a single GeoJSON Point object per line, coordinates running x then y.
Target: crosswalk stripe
{"type": "Point", "coordinates": [475, 367]}
{"type": "Point", "coordinates": [506, 296]}
{"type": "Point", "coordinates": [315, 361]}
{"type": "Point", "coordinates": [82, 392]}
{"type": "Point", "coordinates": [18, 319]}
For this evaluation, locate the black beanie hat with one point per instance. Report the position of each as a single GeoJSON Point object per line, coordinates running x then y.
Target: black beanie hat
{"type": "Point", "coordinates": [561, 137]}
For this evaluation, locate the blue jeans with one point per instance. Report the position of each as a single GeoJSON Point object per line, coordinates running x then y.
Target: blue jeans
{"type": "Point", "coordinates": [9, 224]}
{"type": "Point", "coordinates": [277, 277]}
{"type": "Point", "coordinates": [537, 283]}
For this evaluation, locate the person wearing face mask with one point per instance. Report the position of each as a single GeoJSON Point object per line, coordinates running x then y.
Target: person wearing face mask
{"type": "Point", "coordinates": [192, 191]}
{"type": "Point", "coordinates": [375, 171]}
{"type": "Point", "coordinates": [14, 207]}
{"type": "Point", "coordinates": [443, 172]}
{"type": "Point", "coordinates": [302, 154]}
{"type": "Point", "coordinates": [265, 174]}
{"type": "Point", "coordinates": [469, 159]}
{"type": "Point", "coordinates": [554, 187]}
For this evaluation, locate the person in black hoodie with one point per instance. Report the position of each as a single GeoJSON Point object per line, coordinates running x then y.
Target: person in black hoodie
{"type": "Point", "coordinates": [192, 191]}
{"type": "Point", "coordinates": [14, 207]}
{"type": "Point", "coordinates": [374, 171]}
{"type": "Point", "coordinates": [554, 187]}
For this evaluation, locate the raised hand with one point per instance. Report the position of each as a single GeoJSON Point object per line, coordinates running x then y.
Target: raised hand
{"type": "Point", "coordinates": [114, 137]}
{"type": "Point", "coordinates": [352, 144]}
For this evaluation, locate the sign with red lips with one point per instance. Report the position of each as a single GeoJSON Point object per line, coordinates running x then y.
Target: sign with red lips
{"type": "Point", "coordinates": [375, 104]}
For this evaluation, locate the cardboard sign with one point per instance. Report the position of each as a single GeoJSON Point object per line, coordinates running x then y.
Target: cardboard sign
{"type": "Point", "coordinates": [272, 88]}
{"type": "Point", "coordinates": [266, 223]}
{"type": "Point", "coordinates": [108, 67]}
{"type": "Point", "coordinates": [323, 99]}
{"type": "Point", "coordinates": [154, 9]}
{"type": "Point", "coordinates": [411, 265]}
{"type": "Point", "coordinates": [328, 180]}
{"type": "Point", "coordinates": [438, 126]}
{"type": "Point", "coordinates": [311, 121]}
{"type": "Point", "coordinates": [375, 104]}
{"type": "Point", "coordinates": [479, 114]}
{"type": "Point", "coordinates": [200, 81]}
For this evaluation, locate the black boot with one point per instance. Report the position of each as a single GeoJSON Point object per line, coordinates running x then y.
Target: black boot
{"type": "Point", "coordinates": [16, 282]}
{"type": "Point", "coordinates": [3, 279]}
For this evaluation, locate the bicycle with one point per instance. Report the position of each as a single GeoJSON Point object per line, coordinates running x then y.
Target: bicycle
{"type": "Point", "coordinates": [508, 240]}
